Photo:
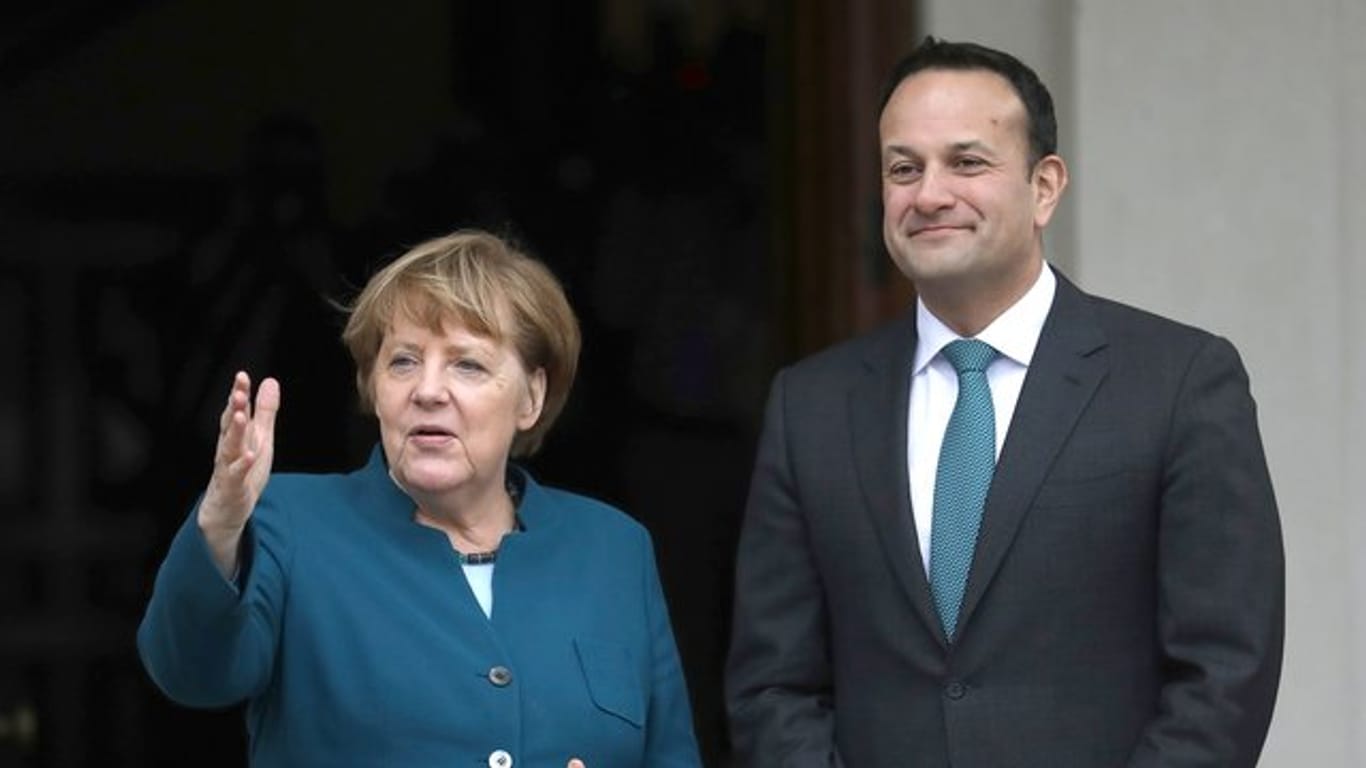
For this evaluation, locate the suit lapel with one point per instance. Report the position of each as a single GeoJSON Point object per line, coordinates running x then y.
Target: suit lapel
{"type": "Point", "coordinates": [1068, 366]}
{"type": "Point", "coordinates": [877, 408]}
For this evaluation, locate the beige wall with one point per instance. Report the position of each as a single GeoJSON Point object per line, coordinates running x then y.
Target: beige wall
{"type": "Point", "coordinates": [1220, 178]}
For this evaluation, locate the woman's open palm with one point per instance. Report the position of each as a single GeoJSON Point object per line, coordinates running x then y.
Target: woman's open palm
{"type": "Point", "coordinates": [241, 462]}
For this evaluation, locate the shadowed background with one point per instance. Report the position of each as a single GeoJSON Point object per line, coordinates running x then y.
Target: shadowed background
{"type": "Point", "coordinates": [186, 185]}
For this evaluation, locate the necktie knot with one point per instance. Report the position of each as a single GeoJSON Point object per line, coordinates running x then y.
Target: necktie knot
{"type": "Point", "coordinates": [969, 355]}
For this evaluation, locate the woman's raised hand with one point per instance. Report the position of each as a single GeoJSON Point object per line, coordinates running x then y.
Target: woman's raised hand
{"type": "Point", "coordinates": [241, 467]}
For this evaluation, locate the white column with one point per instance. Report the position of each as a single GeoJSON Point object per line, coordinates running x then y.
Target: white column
{"type": "Point", "coordinates": [1351, 215]}
{"type": "Point", "coordinates": [1220, 179]}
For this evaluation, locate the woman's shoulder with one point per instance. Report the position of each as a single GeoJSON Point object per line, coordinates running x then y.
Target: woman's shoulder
{"type": "Point", "coordinates": [303, 494]}
{"type": "Point", "coordinates": [589, 514]}
{"type": "Point", "coordinates": [590, 509]}
{"type": "Point", "coordinates": [315, 484]}
{"type": "Point", "coordinates": [299, 486]}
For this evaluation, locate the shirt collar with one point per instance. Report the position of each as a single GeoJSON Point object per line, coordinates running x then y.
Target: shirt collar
{"type": "Point", "coordinates": [1014, 333]}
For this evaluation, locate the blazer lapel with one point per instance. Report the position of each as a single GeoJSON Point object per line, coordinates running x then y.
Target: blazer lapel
{"type": "Point", "coordinates": [1067, 368]}
{"type": "Point", "coordinates": [877, 408]}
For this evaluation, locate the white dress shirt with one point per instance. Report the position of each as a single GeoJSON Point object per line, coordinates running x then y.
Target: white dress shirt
{"type": "Point", "coordinates": [480, 578]}
{"type": "Point", "coordinates": [934, 388]}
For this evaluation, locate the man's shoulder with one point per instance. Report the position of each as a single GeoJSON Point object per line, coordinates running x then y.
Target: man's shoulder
{"type": "Point", "coordinates": [883, 346]}
{"type": "Point", "coordinates": [1123, 322]}
{"type": "Point", "coordinates": [1144, 343]}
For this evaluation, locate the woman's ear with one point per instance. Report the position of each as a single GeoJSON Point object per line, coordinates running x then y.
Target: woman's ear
{"type": "Point", "coordinates": [533, 400]}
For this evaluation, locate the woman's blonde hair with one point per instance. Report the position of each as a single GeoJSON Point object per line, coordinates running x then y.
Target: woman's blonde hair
{"type": "Point", "coordinates": [488, 286]}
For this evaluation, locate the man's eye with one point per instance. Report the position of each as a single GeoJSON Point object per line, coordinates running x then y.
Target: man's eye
{"type": "Point", "coordinates": [902, 171]}
{"type": "Point", "coordinates": [970, 163]}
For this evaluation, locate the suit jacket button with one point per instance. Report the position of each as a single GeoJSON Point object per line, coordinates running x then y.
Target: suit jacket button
{"type": "Point", "coordinates": [499, 758]}
{"type": "Point", "coordinates": [955, 690]}
{"type": "Point", "coordinates": [500, 676]}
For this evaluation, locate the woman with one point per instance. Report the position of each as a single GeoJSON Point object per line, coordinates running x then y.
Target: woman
{"type": "Point", "coordinates": [437, 606]}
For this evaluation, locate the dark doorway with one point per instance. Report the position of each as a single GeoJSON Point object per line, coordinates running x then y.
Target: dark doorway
{"type": "Point", "coordinates": [185, 185]}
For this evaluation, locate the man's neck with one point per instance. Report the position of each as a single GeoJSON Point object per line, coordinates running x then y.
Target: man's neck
{"type": "Point", "coordinates": [968, 308]}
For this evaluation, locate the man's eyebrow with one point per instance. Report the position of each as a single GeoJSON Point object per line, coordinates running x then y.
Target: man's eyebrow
{"type": "Point", "coordinates": [969, 145]}
{"type": "Point", "coordinates": [899, 149]}
{"type": "Point", "coordinates": [972, 145]}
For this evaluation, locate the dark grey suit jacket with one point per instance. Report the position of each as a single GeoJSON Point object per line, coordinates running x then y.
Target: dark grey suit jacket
{"type": "Point", "coordinates": [1125, 605]}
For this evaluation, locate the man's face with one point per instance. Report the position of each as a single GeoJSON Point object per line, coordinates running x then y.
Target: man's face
{"type": "Point", "coordinates": [962, 209]}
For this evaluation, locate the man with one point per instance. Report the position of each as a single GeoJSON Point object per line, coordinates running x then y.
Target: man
{"type": "Point", "coordinates": [1067, 553]}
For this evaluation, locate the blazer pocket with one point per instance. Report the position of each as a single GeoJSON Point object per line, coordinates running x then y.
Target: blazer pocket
{"type": "Point", "coordinates": [613, 681]}
{"type": "Point", "coordinates": [1117, 487]}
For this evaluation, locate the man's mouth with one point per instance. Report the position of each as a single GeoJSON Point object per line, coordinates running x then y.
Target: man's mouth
{"type": "Point", "coordinates": [937, 229]}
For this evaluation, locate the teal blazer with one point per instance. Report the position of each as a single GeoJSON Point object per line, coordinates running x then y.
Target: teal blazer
{"type": "Point", "coordinates": [353, 635]}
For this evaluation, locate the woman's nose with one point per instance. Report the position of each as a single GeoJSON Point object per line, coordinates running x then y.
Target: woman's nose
{"type": "Point", "coordinates": [431, 386]}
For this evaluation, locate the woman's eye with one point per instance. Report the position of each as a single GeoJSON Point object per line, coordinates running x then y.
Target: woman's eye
{"type": "Point", "coordinates": [402, 363]}
{"type": "Point", "coordinates": [466, 365]}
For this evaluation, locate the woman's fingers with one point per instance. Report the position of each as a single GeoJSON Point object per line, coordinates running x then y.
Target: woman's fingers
{"type": "Point", "coordinates": [232, 424]}
{"type": "Point", "coordinates": [237, 400]}
{"type": "Point", "coordinates": [247, 434]}
{"type": "Point", "coordinates": [263, 416]}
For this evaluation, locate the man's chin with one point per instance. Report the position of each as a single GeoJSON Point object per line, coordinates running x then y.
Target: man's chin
{"type": "Point", "coordinates": [931, 264]}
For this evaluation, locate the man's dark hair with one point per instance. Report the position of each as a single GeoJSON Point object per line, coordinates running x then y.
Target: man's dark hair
{"type": "Point", "coordinates": [933, 53]}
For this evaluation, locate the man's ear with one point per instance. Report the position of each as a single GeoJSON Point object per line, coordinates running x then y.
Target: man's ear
{"type": "Point", "coordinates": [1049, 180]}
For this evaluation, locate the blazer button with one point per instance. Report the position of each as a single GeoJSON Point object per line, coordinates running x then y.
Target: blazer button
{"type": "Point", "coordinates": [500, 676]}
{"type": "Point", "coordinates": [499, 758]}
{"type": "Point", "coordinates": [955, 690]}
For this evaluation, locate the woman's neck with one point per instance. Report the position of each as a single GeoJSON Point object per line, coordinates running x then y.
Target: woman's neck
{"type": "Point", "coordinates": [473, 523]}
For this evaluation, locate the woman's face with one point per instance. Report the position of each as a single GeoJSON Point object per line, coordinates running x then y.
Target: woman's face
{"type": "Point", "coordinates": [449, 404]}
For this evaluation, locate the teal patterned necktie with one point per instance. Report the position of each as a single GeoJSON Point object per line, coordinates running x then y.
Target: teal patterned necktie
{"type": "Point", "coordinates": [966, 462]}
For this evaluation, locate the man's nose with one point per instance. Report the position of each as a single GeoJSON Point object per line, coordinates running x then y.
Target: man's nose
{"type": "Point", "coordinates": [934, 192]}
